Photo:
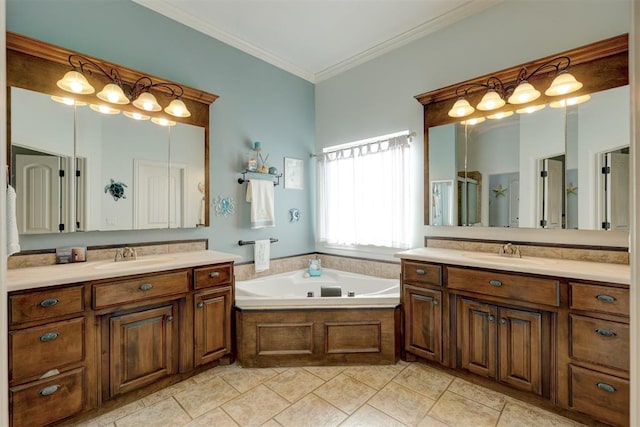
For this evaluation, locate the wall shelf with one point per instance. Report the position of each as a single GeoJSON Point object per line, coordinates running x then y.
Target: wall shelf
{"type": "Point", "coordinates": [258, 175]}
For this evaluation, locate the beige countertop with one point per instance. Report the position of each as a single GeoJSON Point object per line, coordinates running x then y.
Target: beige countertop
{"type": "Point", "coordinates": [596, 271]}
{"type": "Point", "coordinates": [59, 274]}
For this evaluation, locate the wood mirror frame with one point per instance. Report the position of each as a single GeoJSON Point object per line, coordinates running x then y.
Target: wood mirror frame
{"type": "Point", "coordinates": [599, 66]}
{"type": "Point", "coordinates": [36, 65]}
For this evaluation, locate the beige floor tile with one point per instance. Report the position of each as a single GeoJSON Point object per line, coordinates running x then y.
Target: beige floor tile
{"type": "Point", "coordinates": [167, 392]}
{"type": "Point", "coordinates": [271, 423]}
{"type": "Point", "coordinates": [203, 397]}
{"type": "Point", "coordinates": [424, 379]}
{"type": "Point", "coordinates": [214, 372]}
{"type": "Point", "coordinates": [456, 410]}
{"type": "Point", "coordinates": [368, 416]}
{"type": "Point", "coordinates": [217, 418]}
{"type": "Point", "coordinates": [521, 414]}
{"type": "Point", "coordinates": [325, 372]}
{"type": "Point", "coordinates": [110, 417]}
{"type": "Point", "coordinates": [294, 384]}
{"type": "Point", "coordinates": [402, 403]}
{"type": "Point", "coordinates": [164, 413]}
{"type": "Point", "coordinates": [346, 393]}
{"type": "Point", "coordinates": [374, 376]}
{"type": "Point", "coordinates": [246, 379]}
{"type": "Point", "coordinates": [310, 411]}
{"type": "Point", "coordinates": [431, 422]}
{"type": "Point", "coordinates": [255, 407]}
{"type": "Point", "coordinates": [490, 398]}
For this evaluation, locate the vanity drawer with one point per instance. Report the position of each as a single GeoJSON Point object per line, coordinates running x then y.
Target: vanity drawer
{"type": "Point", "coordinates": [602, 396]}
{"type": "Point", "coordinates": [44, 402]}
{"type": "Point", "coordinates": [600, 341]}
{"type": "Point", "coordinates": [417, 272]}
{"type": "Point", "coordinates": [132, 290]}
{"type": "Point", "coordinates": [34, 351]}
{"type": "Point", "coordinates": [603, 299]}
{"type": "Point", "coordinates": [212, 276]}
{"type": "Point", "coordinates": [511, 286]}
{"type": "Point", "coordinates": [45, 304]}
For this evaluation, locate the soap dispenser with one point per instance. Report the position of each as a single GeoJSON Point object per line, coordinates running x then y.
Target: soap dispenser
{"type": "Point", "coordinates": [315, 268]}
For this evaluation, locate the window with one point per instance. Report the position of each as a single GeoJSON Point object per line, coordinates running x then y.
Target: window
{"type": "Point", "coordinates": [364, 193]}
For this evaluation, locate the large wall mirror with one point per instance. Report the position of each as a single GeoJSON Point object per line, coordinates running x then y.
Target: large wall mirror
{"type": "Point", "coordinates": [77, 169]}
{"type": "Point", "coordinates": [561, 165]}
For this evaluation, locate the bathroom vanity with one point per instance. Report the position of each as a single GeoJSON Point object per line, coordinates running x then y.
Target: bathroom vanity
{"type": "Point", "coordinates": [555, 328]}
{"type": "Point", "coordinates": [80, 335]}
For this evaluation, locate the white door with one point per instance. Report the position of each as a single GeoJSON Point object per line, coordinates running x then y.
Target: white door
{"type": "Point", "coordinates": [514, 203]}
{"type": "Point", "coordinates": [552, 193]}
{"type": "Point", "coordinates": [618, 191]}
{"type": "Point", "coordinates": [158, 195]}
{"type": "Point", "coordinates": [38, 194]}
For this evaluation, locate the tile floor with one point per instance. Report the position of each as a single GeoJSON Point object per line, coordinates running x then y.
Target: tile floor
{"type": "Point", "coordinates": [405, 394]}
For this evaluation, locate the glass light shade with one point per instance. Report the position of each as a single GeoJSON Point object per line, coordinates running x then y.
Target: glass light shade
{"type": "Point", "coordinates": [104, 109]}
{"type": "Point", "coordinates": [499, 116]}
{"type": "Point", "coordinates": [136, 116]}
{"type": "Point", "coordinates": [177, 108]}
{"type": "Point", "coordinates": [75, 82]}
{"type": "Point", "coordinates": [461, 108]}
{"type": "Point", "coordinates": [113, 93]}
{"type": "Point", "coordinates": [531, 109]}
{"type": "Point", "coordinates": [569, 102]}
{"type": "Point", "coordinates": [490, 101]}
{"type": "Point", "coordinates": [473, 121]}
{"type": "Point", "coordinates": [524, 92]}
{"type": "Point", "coordinates": [67, 101]}
{"type": "Point", "coordinates": [147, 102]}
{"type": "Point", "coordinates": [162, 122]}
{"type": "Point", "coordinates": [563, 84]}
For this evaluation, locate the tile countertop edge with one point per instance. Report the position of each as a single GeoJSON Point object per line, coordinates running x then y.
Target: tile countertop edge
{"type": "Point", "coordinates": [584, 270]}
{"type": "Point", "coordinates": [62, 274]}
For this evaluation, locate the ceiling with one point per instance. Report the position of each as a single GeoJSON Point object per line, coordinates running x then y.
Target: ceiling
{"type": "Point", "coordinates": [316, 39]}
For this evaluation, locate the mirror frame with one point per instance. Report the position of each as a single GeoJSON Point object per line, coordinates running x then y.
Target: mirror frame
{"type": "Point", "coordinates": [599, 66]}
{"type": "Point", "coordinates": [36, 65]}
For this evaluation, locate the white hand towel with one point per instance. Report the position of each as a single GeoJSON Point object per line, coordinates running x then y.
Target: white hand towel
{"type": "Point", "coordinates": [261, 255]}
{"type": "Point", "coordinates": [260, 195]}
{"type": "Point", "coordinates": [13, 244]}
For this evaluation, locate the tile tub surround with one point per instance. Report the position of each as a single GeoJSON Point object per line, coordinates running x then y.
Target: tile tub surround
{"type": "Point", "coordinates": [404, 394]}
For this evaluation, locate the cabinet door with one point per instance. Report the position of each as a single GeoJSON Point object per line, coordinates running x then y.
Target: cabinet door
{"type": "Point", "coordinates": [520, 349]}
{"type": "Point", "coordinates": [143, 347]}
{"type": "Point", "coordinates": [423, 322]}
{"type": "Point", "coordinates": [477, 337]}
{"type": "Point", "coordinates": [212, 326]}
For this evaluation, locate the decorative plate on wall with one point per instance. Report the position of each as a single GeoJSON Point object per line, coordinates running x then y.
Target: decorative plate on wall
{"type": "Point", "coordinates": [224, 206]}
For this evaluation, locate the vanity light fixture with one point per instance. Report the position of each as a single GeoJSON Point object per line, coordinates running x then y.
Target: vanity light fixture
{"type": "Point", "coordinates": [136, 115]}
{"type": "Point", "coordinates": [68, 101]}
{"type": "Point", "coordinates": [570, 101]}
{"type": "Point", "coordinates": [162, 122]}
{"type": "Point", "coordinates": [521, 91]}
{"type": "Point", "coordinates": [119, 92]}
{"type": "Point", "coordinates": [500, 115]}
{"type": "Point", "coordinates": [472, 122]}
{"type": "Point", "coordinates": [531, 109]}
{"type": "Point", "coordinates": [104, 109]}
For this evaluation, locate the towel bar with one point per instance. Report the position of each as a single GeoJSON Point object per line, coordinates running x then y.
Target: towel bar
{"type": "Point", "coordinates": [252, 242]}
{"type": "Point", "coordinates": [244, 178]}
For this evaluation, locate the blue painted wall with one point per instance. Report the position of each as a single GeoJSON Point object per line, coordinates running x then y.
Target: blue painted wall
{"type": "Point", "coordinates": [257, 102]}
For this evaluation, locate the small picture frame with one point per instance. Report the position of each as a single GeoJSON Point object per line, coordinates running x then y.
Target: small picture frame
{"type": "Point", "coordinates": [293, 174]}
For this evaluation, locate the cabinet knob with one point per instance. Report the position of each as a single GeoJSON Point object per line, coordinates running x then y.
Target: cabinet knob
{"type": "Point", "coordinates": [200, 305]}
{"type": "Point", "coordinates": [606, 332]}
{"type": "Point", "coordinates": [436, 302]}
{"type": "Point", "coordinates": [503, 321]}
{"type": "Point", "coordinates": [491, 318]}
{"type": "Point", "coordinates": [606, 298]}
{"type": "Point", "coordinates": [169, 318]}
{"type": "Point", "coordinates": [48, 391]}
{"type": "Point", "coordinates": [49, 336]}
{"type": "Point", "coordinates": [496, 283]}
{"type": "Point", "coordinates": [606, 387]}
{"type": "Point", "coordinates": [146, 286]}
{"type": "Point", "coordinates": [49, 302]}
{"type": "Point", "coordinates": [214, 274]}
{"type": "Point", "coordinates": [421, 271]}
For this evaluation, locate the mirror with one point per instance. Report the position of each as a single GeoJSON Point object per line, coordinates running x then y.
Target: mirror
{"type": "Point", "coordinates": [574, 161]}
{"type": "Point", "coordinates": [161, 169]}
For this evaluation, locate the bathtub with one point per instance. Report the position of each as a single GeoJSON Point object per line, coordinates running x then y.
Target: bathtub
{"type": "Point", "coordinates": [294, 290]}
{"type": "Point", "coordinates": [278, 325]}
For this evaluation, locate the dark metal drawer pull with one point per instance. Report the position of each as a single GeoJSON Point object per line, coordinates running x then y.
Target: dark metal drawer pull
{"type": "Point", "coordinates": [214, 274]}
{"type": "Point", "coordinates": [491, 318]}
{"type": "Point", "coordinates": [169, 318]}
{"type": "Point", "coordinates": [503, 321]}
{"type": "Point", "coordinates": [606, 332]}
{"type": "Point", "coordinates": [48, 391]}
{"type": "Point", "coordinates": [49, 336]}
{"type": "Point", "coordinates": [435, 302]}
{"type": "Point", "coordinates": [200, 305]}
{"type": "Point", "coordinates": [146, 286]}
{"type": "Point", "coordinates": [606, 387]}
{"type": "Point", "coordinates": [496, 283]}
{"type": "Point", "coordinates": [606, 298]}
{"type": "Point", "coordinates": [49, 302]}
{"type": "Point", "coordinates": [420, 271]}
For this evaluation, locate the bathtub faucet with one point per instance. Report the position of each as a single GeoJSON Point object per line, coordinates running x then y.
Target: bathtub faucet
{"type": "Point", "coordinates": [510, 250]}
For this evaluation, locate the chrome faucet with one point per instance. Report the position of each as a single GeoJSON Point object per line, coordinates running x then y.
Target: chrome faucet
{"type": "Point", "coordinates": [510, 250]}
{"type": "Point", "coordinates": [125, 254]}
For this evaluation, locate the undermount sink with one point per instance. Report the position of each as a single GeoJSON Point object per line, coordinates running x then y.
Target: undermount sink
{"type": "Point", "coordinates": [489, 257]}
{"type": "Point", "coordinates": [146, 261]}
